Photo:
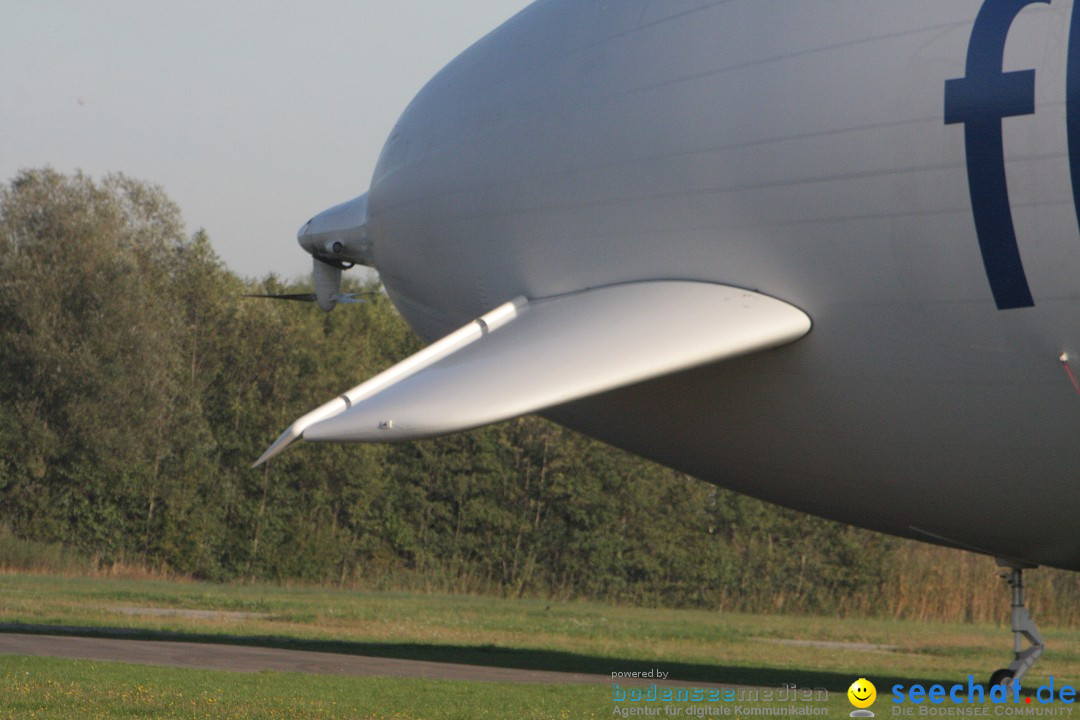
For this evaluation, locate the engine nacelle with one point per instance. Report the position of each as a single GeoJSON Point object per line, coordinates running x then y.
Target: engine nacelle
{"type": "Point", "coordinates": [339, 236]}
{"type": "Point", "coordinates": [327, 279]}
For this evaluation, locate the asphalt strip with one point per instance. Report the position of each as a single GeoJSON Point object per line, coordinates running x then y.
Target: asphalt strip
{"type": "Point", "coordinates": [240, 658]}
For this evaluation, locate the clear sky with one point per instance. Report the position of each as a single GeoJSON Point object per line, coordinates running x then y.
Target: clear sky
{"type": "Point", "coordinates": [252, 116]}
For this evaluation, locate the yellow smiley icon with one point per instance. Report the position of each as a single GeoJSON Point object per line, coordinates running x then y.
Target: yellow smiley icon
{"type": "Point", "coordinates": [862, 693]}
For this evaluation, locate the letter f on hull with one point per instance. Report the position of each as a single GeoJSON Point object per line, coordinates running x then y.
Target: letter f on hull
{"type": "Point", "coordinates": [980, 101]}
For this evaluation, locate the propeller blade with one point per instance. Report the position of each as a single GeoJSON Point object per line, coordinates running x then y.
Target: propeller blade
{"type": "Point", "coordinates": [352, 298]}
{"type": "Point", "coordinates": [298, 297]}
{"type": "Point", "coordinates": [349, 298]}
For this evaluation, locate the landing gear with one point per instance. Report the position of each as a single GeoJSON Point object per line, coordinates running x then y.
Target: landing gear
{"type": "Point", "coordinates": [1023, 628]}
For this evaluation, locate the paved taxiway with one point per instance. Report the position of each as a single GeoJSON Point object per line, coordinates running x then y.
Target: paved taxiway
{"type": "Point", "coordinates": [252, 659]}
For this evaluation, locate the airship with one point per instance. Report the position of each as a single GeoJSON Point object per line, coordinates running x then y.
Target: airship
{"type": "Point", "coordinates": [823, 254]}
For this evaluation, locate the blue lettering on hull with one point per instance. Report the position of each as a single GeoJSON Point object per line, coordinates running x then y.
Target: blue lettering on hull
{"type": "Point", "coordinates": [980, 101]}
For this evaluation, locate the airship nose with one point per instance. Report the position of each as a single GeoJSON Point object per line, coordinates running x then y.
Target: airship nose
{"type": "Point", "coordinates": [303, 236]}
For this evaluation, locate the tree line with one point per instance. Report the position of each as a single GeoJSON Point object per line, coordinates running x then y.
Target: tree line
{"type": "Point", "coordinates": [138, 386]}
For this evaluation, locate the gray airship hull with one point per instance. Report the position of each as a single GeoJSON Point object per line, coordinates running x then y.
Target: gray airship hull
{"type": "Point", "coordinates": [814, 152]}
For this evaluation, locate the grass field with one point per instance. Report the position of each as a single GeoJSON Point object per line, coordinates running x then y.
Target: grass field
{"type": "Point", "coordinates": [72, 689]}
{"type": "Point", "coordinates": [578, 637]}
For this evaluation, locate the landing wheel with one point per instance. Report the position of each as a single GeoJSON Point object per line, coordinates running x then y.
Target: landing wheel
{"type": "Point", "coordinates": [1023, 630]}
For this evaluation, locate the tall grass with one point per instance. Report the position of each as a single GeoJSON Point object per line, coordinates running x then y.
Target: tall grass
{"type": "Point", "coordinates": [920, 582]}
{"type": "Point", "coordinates": [931, 583]}
{"type": "Point", "coordinates": [18, 555]}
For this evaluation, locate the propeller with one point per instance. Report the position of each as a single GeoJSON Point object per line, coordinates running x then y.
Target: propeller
{"type": "Point", "coordinates": [325, 270]}
{"type": "Point", "coordinates": [299, 297]}
{"type": "Point", "coordinates": [348, 298]}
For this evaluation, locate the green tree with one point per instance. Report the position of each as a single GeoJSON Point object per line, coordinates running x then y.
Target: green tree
{"type": "Point", "coordinates": [89, 357]}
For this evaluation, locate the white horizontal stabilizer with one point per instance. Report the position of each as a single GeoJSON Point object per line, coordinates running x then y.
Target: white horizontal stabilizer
{"type": "Point", "coordinates": [529, 356]}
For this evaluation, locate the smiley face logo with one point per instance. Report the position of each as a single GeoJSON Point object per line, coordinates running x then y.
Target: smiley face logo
{"type": "Point", "coordinates": [862, 693]}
